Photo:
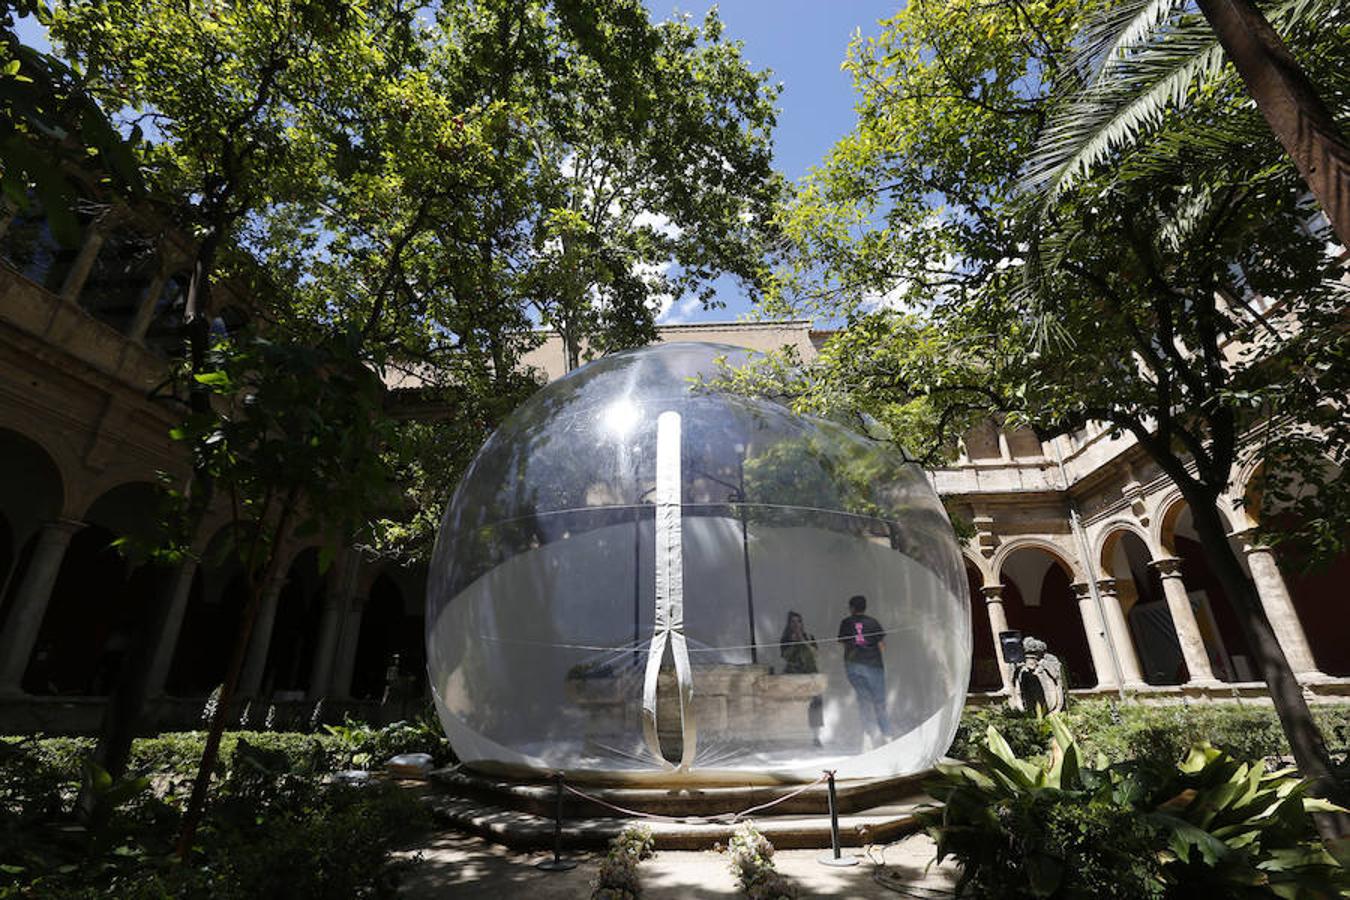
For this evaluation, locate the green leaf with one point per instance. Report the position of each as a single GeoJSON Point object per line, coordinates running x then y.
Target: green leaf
{"type": "Point", "coordinates": [221, 379]}
{"type": "Point", "coordinates": [1183, 836]}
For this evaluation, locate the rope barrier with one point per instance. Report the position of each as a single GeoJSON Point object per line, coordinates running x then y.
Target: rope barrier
{"type": "Point", "coordinates": [889, 879]}
{"type": "Point", "coordinates": [716, 819]}
{"type": "Point", "coordinates": [638, 647]}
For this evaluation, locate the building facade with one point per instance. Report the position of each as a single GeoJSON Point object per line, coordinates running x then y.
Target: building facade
{"type": "Point", "coordinates": [1080, 541]}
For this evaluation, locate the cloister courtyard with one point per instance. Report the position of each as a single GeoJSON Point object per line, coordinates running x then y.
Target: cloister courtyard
{"type": "Point", "coordinates": [599, 448]}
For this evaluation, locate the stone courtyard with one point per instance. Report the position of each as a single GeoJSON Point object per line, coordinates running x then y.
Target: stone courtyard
{"type": "Point", "coordinates": [452, 865]}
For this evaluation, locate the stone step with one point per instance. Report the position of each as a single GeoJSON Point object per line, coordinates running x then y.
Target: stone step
{"type": "Point", "coordinates": [528, 831]}
{"type": "Point", "coordinates": [539, 797]}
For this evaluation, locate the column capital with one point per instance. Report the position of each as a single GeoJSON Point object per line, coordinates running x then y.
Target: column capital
{"type": "Point", "coordinates": [1250, 542]}
{"type": "Point", "coordinates": [993, 593]}
{"type": "Point", "coordinates": [1107, 586]}
{"type": "Point", "coordinates": [1166, 566]}
{"type": "Point", "coordinates": [1081, 589]}
{"type": "Point", "coordinates": [62, 528]}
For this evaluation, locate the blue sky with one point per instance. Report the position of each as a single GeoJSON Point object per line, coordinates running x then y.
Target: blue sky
{"type": "Point", "coordinates": [803, 42]}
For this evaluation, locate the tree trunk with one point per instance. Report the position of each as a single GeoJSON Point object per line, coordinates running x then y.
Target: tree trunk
{"type": "Point", "coordinates": [122, 713]}
{"type": "Point", "coordinates": [1290, 104]}
{"type": "Point", "coordinates": [201, 785]}
{"type": "Point", "coordinates": [1309, 748]}
{"type": "Point", "coordinates": [196, 319]}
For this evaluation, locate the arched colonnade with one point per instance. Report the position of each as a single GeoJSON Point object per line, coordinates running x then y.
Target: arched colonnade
{"type": "Point", "coordinates": [73, 600]}
{"type": "Point", "coordinates": [1146, 609]}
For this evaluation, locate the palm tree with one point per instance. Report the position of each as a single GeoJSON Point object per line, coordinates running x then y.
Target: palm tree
{"type": "Point", "coordinates": [1138, 58]}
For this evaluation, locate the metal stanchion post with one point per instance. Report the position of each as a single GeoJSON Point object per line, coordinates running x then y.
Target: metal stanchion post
{"type": "Point", "coordinates": [834, 856]}
{"type": "Point", "coordinates": [557, 863]}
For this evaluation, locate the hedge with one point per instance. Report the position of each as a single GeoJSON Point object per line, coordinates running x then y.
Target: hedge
{"type": "Point", "coordinates": [1161, 733]}
{"type": "Point", "coordinates": [177, 753]}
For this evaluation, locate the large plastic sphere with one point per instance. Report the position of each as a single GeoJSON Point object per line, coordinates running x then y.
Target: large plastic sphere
{"type": "Point", "coordinates": [612, 584]}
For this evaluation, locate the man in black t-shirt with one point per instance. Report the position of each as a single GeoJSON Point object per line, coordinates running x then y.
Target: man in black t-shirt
{"type": "Point", "coordinates": [863, 641]}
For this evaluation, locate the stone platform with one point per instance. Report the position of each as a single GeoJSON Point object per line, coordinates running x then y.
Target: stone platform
{"type": "Point", "coordinates": [730, 701]}
{"type": "Point", "coordinates": [519, 814]}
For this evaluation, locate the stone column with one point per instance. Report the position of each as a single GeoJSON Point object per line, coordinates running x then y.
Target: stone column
{"type": "Point", "coordinates": [145, 309]}
{"type": "Point", "coordinates": [1183, 620]}
{"type": "Point", "coordinates": [345, 667]}
{"type": "Point", "coordinates": [1004, 448]}
{"type": "Point", "coordinates": [347, 603]}
{"type": "Point", "coordinates": [1118, 633]}
{"type": "Point", "coordinates": [1279, 608]}
{"type": "Point", "coordinates": [30, 603]}
{"type": "Point", "coordinates": [83, 264]}
{"type": "Point", "coordinates": [255, 662]}
{"type": "Point", "coordinates": [1096, 635]}
{"type": "Point", "coordinates": [180, 589]}
{"type": "Point", "coordinates": [998, 622]}
{"type": "Point", "coordinates": [325, 651]}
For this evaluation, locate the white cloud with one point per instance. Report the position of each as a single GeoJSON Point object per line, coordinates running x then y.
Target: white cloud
{"type": "Point", "coordinates": [673, 313]}
{"type": "Point", "coordinates": [892, 299]}
{"type": "Point", "coordinates": [657, 222]}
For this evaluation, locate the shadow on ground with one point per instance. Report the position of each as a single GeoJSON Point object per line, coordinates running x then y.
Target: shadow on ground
{"type": "Point", "coordinates": [460, 866]}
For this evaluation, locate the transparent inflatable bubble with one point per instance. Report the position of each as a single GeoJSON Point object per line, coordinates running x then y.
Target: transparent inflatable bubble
{"type": "Point", "coordinates": [640, 579]}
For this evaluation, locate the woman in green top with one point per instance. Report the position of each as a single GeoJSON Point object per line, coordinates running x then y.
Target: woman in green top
{"type": "Point", "coordinates": [798, 647]}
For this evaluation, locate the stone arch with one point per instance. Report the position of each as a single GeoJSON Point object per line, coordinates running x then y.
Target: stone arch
{"type": "Point", "coordinates": [1126, 558]}
{"type": "Point", "coordinates": [1247, 471]}
{"type": "Point", "coordinates": [984, 666]}
{"type": "Point", "coordinates": [128, 507]}
{"type": "Point", "coordinates": [1224, 640]}
{"type": "Point", "coordinates": [26, 504]}
{"type": "Point", "coordinates": [296, 626]}
{"type": "Point", "coordinates": [1314, 592]}
{"type": "Point", "coordinates": [98, 604]}
{"type": "Point", "coordinates": [211, 617]}
{"type": "Point", "coordinates": [1061, 554]}
{"type": "Point", "coordinates": [391, 623]}
{"type": "Point", "coordinates": [1038, 599]}
{"type": "Point", "coordinates": [1110, 535]}
{"type": "Point", "coordinates": [980, 565]}
{"type": "Point", "coordinates": [41, 494]}
{"type": "Point", "coordinates": [1170, 509]}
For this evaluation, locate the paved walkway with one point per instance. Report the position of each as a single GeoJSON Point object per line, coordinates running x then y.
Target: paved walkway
{"type": "Point", "coordinates": [456, 865]}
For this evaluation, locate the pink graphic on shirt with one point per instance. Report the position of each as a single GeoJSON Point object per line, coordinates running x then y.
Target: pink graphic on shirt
{"type": "Point", "coordinates": [858, 639]}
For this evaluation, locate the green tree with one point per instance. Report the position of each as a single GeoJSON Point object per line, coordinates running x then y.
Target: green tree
{"type": "Point", "coordinates": [369, 176]}
{"type": "Point", "coordinates": [228, 88]}
{"type": "Point", "coordinates": [1140, 57]}
{"type": "Point", "coordinates": [234, 95]}
{"type": "Point", "coordinates": [1175, 302]}
{"type": "Point", "coordinates": [295, 434]}
{"type": "Point", "coordinates": [635, 158]}
{"type": "Point", "coordinates": [56, 143]}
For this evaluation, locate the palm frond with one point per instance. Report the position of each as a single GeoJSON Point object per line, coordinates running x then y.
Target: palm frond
{"type": "Point", "coordinates": [1115, 31]}
{"type": "Point", "coordinates": [1199, 143]}
{"type": "Point", "coordinates": [1148, 55]}
{"type": "Point", "coordinates": [1085, 131]}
